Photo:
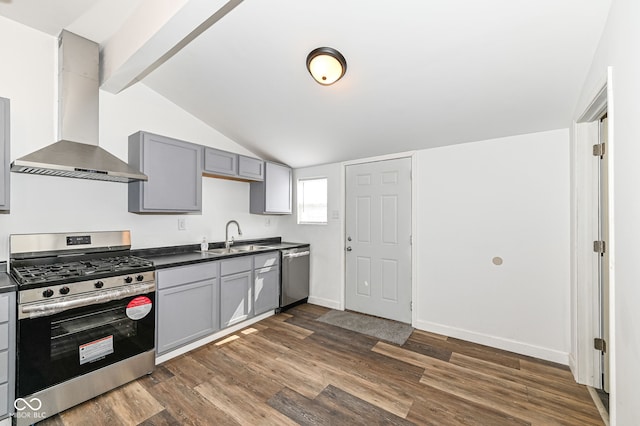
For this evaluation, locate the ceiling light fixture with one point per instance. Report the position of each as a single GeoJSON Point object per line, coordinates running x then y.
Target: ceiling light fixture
{"type": "Point", "coordinates": [326, 65]}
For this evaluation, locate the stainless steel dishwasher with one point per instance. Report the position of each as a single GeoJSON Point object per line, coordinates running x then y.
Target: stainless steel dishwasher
{"type": "Point", "coordinates": [294, 281]}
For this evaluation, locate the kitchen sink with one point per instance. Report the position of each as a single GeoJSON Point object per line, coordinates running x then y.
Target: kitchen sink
{"type": "Point", "coordinates": [238, 249]}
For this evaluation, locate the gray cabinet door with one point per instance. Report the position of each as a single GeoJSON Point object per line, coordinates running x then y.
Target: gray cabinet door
{"type": "Point", "coordinates": [186, 313]}
{"type": "Point", "coordinates": [4, 154]}
{"type": "Point", "coordinates": [273, 195]}
{"type": "Point", "coordinates": [250, 168]}
{"type": "Point", "coordinates": [220, 162]}
{"type": "Point", "coordinates": [235, 298]}
{"type": "Point", "coordinates": [174, 168]}
{"type": "Point", "coordinates": [266, 289]}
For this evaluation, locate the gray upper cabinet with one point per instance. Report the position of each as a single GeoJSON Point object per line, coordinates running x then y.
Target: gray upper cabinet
{"type": "Point", "coordinates": [229, 165]}
{"type": "Point", "coordinates": [219, 162]}
{"type": "Point", "coordinates": [273, 195]}
{"type": "Point", "coordinates": [174, 168]}
{"type": "Point", "coordinates": [4, 155]}
{"type": "Point", "coordinates": [250, 168]}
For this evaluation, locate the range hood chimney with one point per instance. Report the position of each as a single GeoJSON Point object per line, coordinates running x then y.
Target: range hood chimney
{"type": "Point", "coordinates": [77, 153]}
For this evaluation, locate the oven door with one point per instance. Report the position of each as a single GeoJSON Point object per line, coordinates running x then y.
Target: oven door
{"type": "Point", "coordinates": [59, 347]}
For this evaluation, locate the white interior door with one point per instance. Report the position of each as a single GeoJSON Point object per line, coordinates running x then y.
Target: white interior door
{"type": "Point", "coordinates": [378, 238]}
{"type": "Point", "coordinates": [603, 225]}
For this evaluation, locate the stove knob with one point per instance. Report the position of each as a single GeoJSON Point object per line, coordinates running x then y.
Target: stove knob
{"type": "Point", "coordinates": [47, 293]}
{"type": "Point", "coordinates": [128, 280]}
{"type": "Point", "coordinates": [140, 278]}
{"type": "Point", "coordinates": [98, 284]}
{"type": "Point", "coordinates": [64, 290]}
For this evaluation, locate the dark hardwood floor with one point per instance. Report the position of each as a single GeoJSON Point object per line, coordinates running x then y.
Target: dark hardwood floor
{"type": "Point", "coordinates": [290, 369]}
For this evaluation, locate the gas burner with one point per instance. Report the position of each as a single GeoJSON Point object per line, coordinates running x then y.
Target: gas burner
{"type": "Point", "coordinates": [37, 272]}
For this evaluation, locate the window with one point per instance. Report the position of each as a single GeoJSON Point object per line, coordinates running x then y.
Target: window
{"type": "Point", "coordinates": [312, 200]}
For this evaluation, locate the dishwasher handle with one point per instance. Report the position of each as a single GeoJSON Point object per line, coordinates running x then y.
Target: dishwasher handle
{"type": "Point", "coordinates": [293, 255]}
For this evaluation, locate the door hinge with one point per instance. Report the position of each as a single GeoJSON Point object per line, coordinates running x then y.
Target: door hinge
{"type": "Point", "coordinates": [599, 247]}
{"type": "Point", "coordinates": [598, 149]}
{"type": "Point", "coordinates": [600, 344]}
{"type": "Point", "coordinates": [411, 306]}
{"type": "Point", "coordinates": [410, 240]}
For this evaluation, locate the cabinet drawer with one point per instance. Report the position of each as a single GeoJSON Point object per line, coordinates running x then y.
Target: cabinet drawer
{"type": "Point", "coordinates": [266, 260]}
{"type": "Point", "coordinates": [186, 274]}
{"type": "Point", "coordinates": [4, 308]}
{"type": "Point", "coordinates": [233, 266]}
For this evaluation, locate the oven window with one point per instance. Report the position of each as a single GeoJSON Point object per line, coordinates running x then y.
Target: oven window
{"type": "Point", "coordinates": [89, 331]}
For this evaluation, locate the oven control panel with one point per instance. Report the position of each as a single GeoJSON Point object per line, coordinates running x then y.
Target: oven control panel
{"type": "Point", "coordinates": [83, 287]}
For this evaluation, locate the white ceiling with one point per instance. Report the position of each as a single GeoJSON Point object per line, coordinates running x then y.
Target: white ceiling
{"type": "Point", "coordinates": [420, 73]}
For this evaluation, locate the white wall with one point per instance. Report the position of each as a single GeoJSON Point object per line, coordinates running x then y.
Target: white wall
{"type": "Point", "coordinates": [506, 197]}
{"type": "Point", "coordinates": [619, 48]}
{"type": "Point", "coordinates": [28, 77]}
{"type": "Point", "coordinates": [326, 240]}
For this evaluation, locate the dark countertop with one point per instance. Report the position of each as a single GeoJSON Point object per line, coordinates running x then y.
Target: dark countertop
{"type": "Point", "coordinates": [168, 257]}
{"type": "Point", "coordinates": [7, 283]}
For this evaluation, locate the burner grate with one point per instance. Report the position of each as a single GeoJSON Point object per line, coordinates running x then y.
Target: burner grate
{"type": "Point", "coordinates": [50, 272]}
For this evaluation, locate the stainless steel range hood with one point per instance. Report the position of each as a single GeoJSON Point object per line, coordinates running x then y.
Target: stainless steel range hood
{"type": "Point", "coordinates": [77, 153]}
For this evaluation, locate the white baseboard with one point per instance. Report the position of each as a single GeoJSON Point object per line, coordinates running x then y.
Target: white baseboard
{"type": "Point", "coordinates": [496, 342]}
{"type": "Point", "coordinates": [573, 366]}
{"type": "Point", "coordinates": [327, 303]}
{"type": "Point", "coordinates": [215, 336]}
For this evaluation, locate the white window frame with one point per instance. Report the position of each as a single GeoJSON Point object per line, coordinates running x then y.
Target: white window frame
{"type": "Point", "coordinates": [300, 201]}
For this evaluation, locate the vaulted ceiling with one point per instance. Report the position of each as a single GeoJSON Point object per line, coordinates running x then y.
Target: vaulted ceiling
{"type": "Point", "coordinates": [420, 73]}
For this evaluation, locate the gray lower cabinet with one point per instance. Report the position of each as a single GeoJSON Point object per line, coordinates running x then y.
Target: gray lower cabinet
{"type": "Point", "coordinates": [235, 295]}
{"type": "Point", "coordinates": [266, 289]}
{"type": "Point", "coordinates": [187, 305]}
{"type": "Point", "coordinates": [266, 282]}
{"type": "Point", "coordinates": [7, 353]}
{"type": "Point", "coordinates": [273, 195]}
{"type": "Point", "coordinates": [4, 155]}
{"type": "Point", "coordinates": [174, 168]}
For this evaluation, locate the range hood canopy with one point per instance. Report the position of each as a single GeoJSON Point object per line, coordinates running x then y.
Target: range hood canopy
{"type": "Point", "coordinates": [77, 153]}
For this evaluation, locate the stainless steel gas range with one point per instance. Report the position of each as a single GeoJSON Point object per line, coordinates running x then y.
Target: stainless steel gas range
{"type": "Point", "coordinates": [86, 318]}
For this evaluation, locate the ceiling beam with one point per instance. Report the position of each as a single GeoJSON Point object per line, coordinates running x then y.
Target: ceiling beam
{"type": "Point", "coordinates": [155, 32]}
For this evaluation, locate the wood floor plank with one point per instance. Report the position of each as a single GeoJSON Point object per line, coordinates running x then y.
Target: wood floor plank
{"type": "Point", "coordinates": [253, 411]}
{"type": "Point", "coordinates": [163, 418]}
{"type": "Point", "coordinates": [304, 411]}
{"type": "Point", "coordinates": [292, 368]}
{"type": "Point", "coordinates": [427, 344]}
{"type": "Point", "coordinates": [434, 407]}
{"type": "Point", "coordinates": [347, 404]}
{"type": "Point", "coordinates": [288, 328]}
{"type": "Point", "coordinates": [561, 388]}
{"type": "Point", "coordinates": [187, 405]}
{"type": "Point", "coordinates": [222, 365]}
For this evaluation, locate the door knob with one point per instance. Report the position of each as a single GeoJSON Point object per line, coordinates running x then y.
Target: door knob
{"type": "Point", "coordinates": [348, 238]}
{"type": "Point", "coordinates": [349, 248]}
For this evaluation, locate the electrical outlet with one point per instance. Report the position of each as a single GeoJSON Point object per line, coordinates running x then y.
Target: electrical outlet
{"type": "Point", "coordinates": [182, 224]}
{"type": "Point", "coordinates": [267, 222]}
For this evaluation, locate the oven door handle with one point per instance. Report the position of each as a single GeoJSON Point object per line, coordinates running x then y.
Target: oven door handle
{"type": "Point", "coordinates": [42, 309]}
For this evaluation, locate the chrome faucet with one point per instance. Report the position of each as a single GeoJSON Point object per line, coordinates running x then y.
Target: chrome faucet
{"type": "Point", "coordinates": [227, 242]}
